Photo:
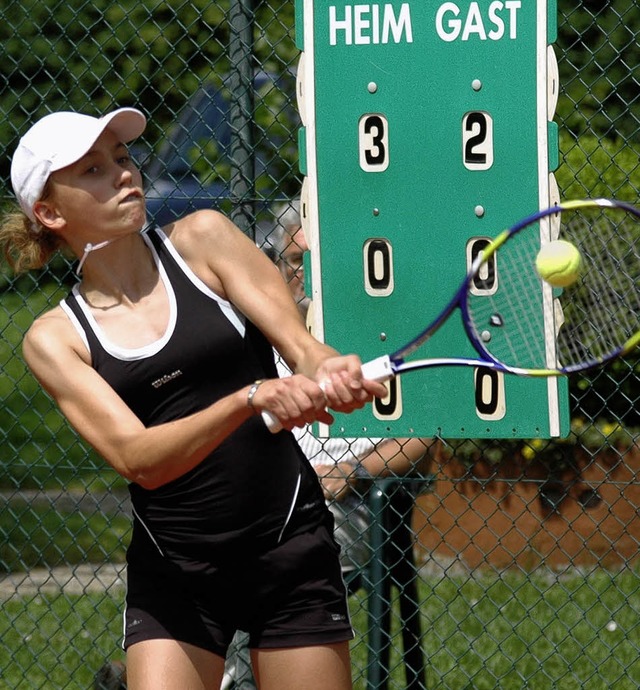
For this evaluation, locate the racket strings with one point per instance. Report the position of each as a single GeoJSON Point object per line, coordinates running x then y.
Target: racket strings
{"type": "Point", "coordinates": [602, 311]}
{"type": "Point", "coordinates": [504, 323]}
{"type": "Point", "coordinates": [528, 324]}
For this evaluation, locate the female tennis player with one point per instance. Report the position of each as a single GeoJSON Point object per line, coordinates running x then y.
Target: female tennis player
{"type": "Point", "coordinates": [161, 358]}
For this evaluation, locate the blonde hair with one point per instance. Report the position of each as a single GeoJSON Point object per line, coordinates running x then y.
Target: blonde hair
{"type": "Point", "coordinates": [25, 245]}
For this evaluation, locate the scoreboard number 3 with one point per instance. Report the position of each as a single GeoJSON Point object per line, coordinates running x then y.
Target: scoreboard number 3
{"type": "Point", "coordinates": [373, 142]}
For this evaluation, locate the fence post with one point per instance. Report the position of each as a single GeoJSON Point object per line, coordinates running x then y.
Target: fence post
{"type": "Point", "coordinates": [242, 183]}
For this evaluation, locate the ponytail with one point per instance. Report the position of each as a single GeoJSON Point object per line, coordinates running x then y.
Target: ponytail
{"type": "Point", "coordinates": [25, 245]}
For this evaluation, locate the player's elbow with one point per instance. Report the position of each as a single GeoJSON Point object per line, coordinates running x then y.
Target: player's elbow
{"type": "Point", "coordinates": [143, 474]}
{"type": "Point", "coordinates": [145, 481]}
{"type": "Point", "coordinates": [145, 477]}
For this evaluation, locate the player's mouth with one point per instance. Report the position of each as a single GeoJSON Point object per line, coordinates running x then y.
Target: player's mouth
{"type": "Point", "coordinates": [134, 195]}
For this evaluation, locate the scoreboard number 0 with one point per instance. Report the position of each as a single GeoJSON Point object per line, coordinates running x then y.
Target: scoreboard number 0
{"type": "Point", "coordinates": [489, 394]}
{"type": "Point", "coordinates": [486, 281]}
{"type": "Point", "coordinates": [378, 267]}
{"type": "Point", "coordinates": [389, 408]}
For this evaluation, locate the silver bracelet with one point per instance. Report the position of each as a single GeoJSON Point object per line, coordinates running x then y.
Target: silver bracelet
{"type": "Point", "coordinates": [252, 391]}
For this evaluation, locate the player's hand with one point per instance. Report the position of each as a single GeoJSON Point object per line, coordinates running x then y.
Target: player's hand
{"type": "Point", "coordinates": [293, 401]}
{"type": "Point", "coordinates": [343, 385]}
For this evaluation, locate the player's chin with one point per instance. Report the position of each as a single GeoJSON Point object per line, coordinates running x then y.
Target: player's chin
{"type": "Point", "coordinates": [134, 212]}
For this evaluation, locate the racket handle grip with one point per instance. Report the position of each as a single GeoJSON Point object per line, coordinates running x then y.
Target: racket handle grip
{"type": "Point", "coordinates": [271, 421]}
{"type": "Point", "coordinates": [378, 369]}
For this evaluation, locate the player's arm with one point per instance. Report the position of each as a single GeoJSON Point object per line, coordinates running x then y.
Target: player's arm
{"type": "Point", "coordinates": [398, 456]}
{"type": "Point", "coordinates": [150, 456]}
{"type": "Point", "coordinates": [391, 457]}
{"type": "Point", "coordinates": [231, 264]}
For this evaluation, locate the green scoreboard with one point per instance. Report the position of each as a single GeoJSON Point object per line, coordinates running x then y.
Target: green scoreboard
{"type": "Point", "coordinates": [427, 128]}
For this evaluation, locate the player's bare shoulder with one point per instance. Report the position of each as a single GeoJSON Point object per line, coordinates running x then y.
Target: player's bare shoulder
{"type": "Point", "coordinates": [50, 337]}
{"type": "Point", "coordinates": [210, 244]}
{"type": "Point", "coordinates": [200, 231]}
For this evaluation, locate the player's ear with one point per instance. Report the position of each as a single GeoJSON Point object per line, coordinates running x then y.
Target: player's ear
{"type": "Point", "coordinates": [47, 215]}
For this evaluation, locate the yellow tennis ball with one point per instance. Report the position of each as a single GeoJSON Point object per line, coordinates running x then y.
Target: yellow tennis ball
{"type": "Point", "coordinates": [559, 263]}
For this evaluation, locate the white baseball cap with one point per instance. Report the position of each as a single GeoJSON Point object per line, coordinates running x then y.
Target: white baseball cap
{"type": "Point", "coordinates": [60, 139]}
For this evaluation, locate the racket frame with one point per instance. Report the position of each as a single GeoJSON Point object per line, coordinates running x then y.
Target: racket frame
{"type": "Point", "coordinates": [387, 366]}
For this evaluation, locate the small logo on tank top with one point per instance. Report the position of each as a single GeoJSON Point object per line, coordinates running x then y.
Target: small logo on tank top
{"type": "Point", "coordinates": [166, 378]}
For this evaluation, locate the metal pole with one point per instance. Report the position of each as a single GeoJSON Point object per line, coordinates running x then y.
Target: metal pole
{"type": "Point", "coordinates": [241, 114]}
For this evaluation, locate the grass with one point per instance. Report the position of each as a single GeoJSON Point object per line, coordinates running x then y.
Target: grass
{"type": "Point", "coordinates": [56, 642]}
{"type": "Point", "coordinates": [506, 632]}
{"type": "Point", "coordinates": [522, 631]}
{"type": "Point", "coordinates": [519, 631]}
{"type": "Point", "coordinates": [33, 536]}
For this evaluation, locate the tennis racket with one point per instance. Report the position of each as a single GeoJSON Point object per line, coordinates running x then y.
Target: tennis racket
{"type": "Point", "coordinates": [519, 324]}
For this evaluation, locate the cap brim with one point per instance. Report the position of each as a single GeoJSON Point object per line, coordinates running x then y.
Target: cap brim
{"type": "Point", "coordinates": [127, 123]}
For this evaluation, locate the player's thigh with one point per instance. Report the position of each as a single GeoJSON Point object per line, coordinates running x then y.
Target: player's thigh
{"type": "Point", "coordinates": [321, 667]}
{"type": "Point", "coordinates": [155, 664]}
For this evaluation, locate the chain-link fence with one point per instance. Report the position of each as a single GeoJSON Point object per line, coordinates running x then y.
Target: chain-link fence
{"type": "Point", "coordinates": [525, 551]}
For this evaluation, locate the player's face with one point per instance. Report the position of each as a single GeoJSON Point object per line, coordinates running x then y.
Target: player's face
{"type": "Point", "coordinates": [103, 189]}
{"type": "Point", "coordinates": [292, 267]}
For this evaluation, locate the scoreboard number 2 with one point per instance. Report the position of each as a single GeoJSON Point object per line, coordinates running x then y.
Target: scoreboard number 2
{"type": "Point", "coordinates": [477, 140]}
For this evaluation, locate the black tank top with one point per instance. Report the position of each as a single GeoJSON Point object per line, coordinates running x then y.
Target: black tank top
{"type": "Point", "coordinates": [256, 486]}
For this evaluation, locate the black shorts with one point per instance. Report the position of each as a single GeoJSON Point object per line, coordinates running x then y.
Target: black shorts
{"type": "Point", "coordinates": [290, 596]}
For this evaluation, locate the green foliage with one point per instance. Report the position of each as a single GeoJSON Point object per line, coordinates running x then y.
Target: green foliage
{"type": "Point", "coordinates": [591, 434]}
{"type": "Point", "coordinates": [44, 450]}
{"type": "Point", "coordinates": [153, 54]}
{"type": "Point", "coordinates": [597, 167]}
{"type": "Point", "coordinates": [598, 52]}
{"type": "Point", "coordinates": [594, 167]}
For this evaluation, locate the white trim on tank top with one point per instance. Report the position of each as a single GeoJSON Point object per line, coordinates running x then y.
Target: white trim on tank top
{"type": "Point", "coordinates": [132, 354]}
